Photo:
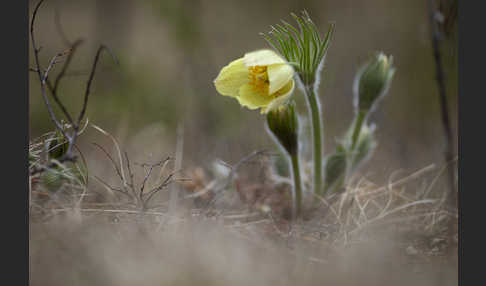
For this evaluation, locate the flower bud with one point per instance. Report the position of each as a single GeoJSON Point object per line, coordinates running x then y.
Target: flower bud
{"type": "Point", "coordinates": [335, 169]}
{"type": "Point", "coordinates": [57, 148]}
{"type": "Point", "coordinates": [373, 81]}
{"type": "Point", "coordinates": [283, 124]}
{"type": "Point", "coordinates": [52, 179]}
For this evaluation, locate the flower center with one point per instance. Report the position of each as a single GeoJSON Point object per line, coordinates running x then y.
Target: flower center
{"type": "Point", "coordinates": [258, 77]}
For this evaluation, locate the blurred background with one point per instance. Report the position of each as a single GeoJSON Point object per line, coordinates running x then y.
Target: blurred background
{"type": "Point", "coordinates": [170, 52]}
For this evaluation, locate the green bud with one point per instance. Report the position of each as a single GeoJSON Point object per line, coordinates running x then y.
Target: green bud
{"type": "Point", "coordinates": [282, 122]}
{"type": "Point", "coordinates": [372, 81]}
{"type": "Point", "coordinates": [52, 179]}
{"type": "Point", "coordinates": [57, 148]}
{"type": "Point", "coordinates": [335, 168]}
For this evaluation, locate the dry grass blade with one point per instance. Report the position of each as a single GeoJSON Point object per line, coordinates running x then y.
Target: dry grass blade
{"type": "Point", "coordinates": [403, 180]}
{"type": "Point", "coordinates": [117, 146]}
{"type": "Point", "coordinates": [111, 189]}
{"type": "Point", "coordinates": [117, 169]}
{"type": "Point", "coordinates": [385, 214]}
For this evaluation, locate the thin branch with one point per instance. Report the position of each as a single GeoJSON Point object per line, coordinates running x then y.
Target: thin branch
{"type": "Point", "coordinates": [450, 18]}
{"type": "Point", "coordinates": [149, 173]}
{"type": "Point", "coordinates": [112, 188]}
{"type": "Point", "coordinates": [109, 157]}
{"type": "Point", "coordinates": [44, 82]}
{"type": "Point", "coordinates": [117, 146]}
{"type": "Point", "coordinates": [84, 162]}
{"type": "Point", "coordinates": [43, 77]}
{"type": "Point", "coordinates": [90, 80]}
{"type": "Point", "coordinates": [440, 77]}
{"type": "Point", "coordinates": [130, 173]}
{"type": "Point", "coordinates": [166, 182]}
{"type": "Point", "coordinates": [70, 53]}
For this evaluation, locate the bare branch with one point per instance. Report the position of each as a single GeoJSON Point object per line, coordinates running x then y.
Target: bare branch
{"type": "Point", "coordinates": [130, 173]}
{"type": "Point", "coordinates": [111, 159]}
{"type": "Point", "coordinates": [90, 80]}
{"type": "Point", "coordinates": [441, 84]}
{"type": "Point", "coordinates": [53, 89]}
{"type": "Point", "coordinates": [43, 77]}
{"type": "Point", "coordinates": [70, 53]}
{"type": "Point", "coordinates": [150, 172]}
{"type": "Point", "coordinates": [150, 194]}
{"type": "Point", "coordinates": [44, 82]}
{"type": "Point", "coordinates": [112, 188]}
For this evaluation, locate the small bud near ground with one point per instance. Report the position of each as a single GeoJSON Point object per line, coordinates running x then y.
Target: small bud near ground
{"type": "Point", "coordinates": [58, 148]}
{"type": "Point", "coordinates": [335, 169]}
{"type": "Point", "coordinates": [283, 124]}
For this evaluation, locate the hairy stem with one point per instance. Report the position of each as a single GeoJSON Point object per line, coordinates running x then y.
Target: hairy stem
{"type": "Point", "coordinates": [314, 107]}
{"type": "Point", "coordinates": [360, 117]}
{"type": "Point", "coordinates": [297, 185]}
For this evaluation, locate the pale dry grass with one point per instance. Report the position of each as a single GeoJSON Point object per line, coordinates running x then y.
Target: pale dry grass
{"type": "Point", "coordinates": [351, 240]}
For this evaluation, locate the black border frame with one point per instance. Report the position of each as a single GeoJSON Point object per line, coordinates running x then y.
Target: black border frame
{"type": "Point", "coordinates": [15, 120]}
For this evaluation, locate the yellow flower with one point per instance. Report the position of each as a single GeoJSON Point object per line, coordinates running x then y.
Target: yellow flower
{"type": "Point", "coordinates": [261, 79]}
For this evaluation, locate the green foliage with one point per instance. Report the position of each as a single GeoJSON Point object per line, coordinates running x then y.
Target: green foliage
{"type": "Point", "coordinates": [58, 148]}
{"type": "Point", "coordinates": [283, 123]}
{"type": "Point", "coordinates": [305, 50]}
{"type": "Point", "coordinates": [371, 83]}
{"type": "Point", "coordinates": [335, 168]}
{"type": "Point", "coordinates": [303, 47]}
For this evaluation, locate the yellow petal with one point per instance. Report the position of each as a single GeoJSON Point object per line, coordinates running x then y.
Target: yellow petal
{"type": "Point", "coordinates": [231, 78]}
{"type": "Point", "coordinates": [253, 99]}
{"type": "Point", "coordinates": [283, 95]}
{"type": "Point", "coordinates": [279, 75]}
{"type": "Point", "coordinates": [262, 58]}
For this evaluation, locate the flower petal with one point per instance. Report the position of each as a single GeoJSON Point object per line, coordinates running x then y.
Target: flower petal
{"type": "Point", "coordinates": [279, 75]}
{"type": "Point", "coordinates": [231, 78]}
{"type": "Point", "coordinates": [283, 95]}
{"type": "Point", "coordinates": [262, 58]}
{"type": "Point", "coordinates": [253, 99]}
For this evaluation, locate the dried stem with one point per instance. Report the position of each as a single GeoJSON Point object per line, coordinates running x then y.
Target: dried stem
{"type": "Point", "coordinates": [43, 76]}
{"type": "Point", "coordinates": [45, 83]}
{"type": "Point", "coordinates": [440, 77]}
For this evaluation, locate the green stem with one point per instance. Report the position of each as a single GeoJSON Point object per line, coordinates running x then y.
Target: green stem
{"type": "Point", "coordinates": [357, 128]}
{"type": "Point", "coordinates": [297, 185]}
{"type": "Point", "coordinates": [314, 107]}
{"type": "Point", "coordinates": [358, 124]}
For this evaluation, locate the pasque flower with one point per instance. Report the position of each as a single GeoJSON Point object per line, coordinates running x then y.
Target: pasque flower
{"type": "Point", "coordinates": [261, 79]}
